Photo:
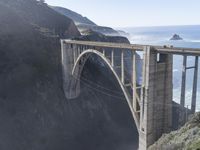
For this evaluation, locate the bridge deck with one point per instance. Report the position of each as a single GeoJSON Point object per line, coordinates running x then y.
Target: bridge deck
{"type": "Point", "coordinates": [160, 49]}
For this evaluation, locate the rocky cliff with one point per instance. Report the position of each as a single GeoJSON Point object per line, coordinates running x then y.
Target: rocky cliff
{"type": "Point", "coordinates": [90, 35]}
{"type": "Point", "coordinates": [186, 138]}
{"type": "Point", "coordinates": [41, 17]}
{"type": "Point", "coordinates": [84, 23]}
{"type": "Point", "coordinates": [77, 18]}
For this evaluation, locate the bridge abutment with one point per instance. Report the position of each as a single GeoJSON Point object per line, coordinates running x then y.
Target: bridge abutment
{"type": "Point", "coordinates": [156, 97]}
{"type": "Point", "coordinates": [71, 84]}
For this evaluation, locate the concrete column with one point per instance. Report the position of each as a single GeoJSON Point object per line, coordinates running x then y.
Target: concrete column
{"type": "Point", "coordinates": [194, 91]}
{"type": "Point", "coordinates": [71, 85]}
{"type": "Point", "coordinates": [156, 97]}
{"type": "Point", "coordinates": [183, 81]}
{"type": "Point", "coordinates": [112, 58]}
{"type": "Point", "coordinates": [122, 66]}
{"type": "Point", "coordinates": [104, 53]}
{"type": "Point", "coordinates": [78, 49]}
{"type": "Point", "coordinates": [74, 56]}
{"type": "Point", "coordinates": [134, 80]}
{"type": "Point", "coordinates": [146, 119]}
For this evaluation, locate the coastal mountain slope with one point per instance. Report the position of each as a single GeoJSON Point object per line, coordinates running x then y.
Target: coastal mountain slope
{"type": "Point", "coordinates": [85, 24]}
{"type": "Point", "coordinates": [186, 138]}
{"type": "Point", "coordinates": [33, 109]}
{"type": "Point", "coordinates": [90, 35]}
{"type": "Point", "coordinates": [77, 18]}
{"type": "Point", "coordinates": [43, 18]}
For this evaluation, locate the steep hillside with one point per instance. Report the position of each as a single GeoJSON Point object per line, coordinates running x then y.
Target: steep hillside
{"type": "Point", "coordinates": [85, 24]}
{"type": "Point", "coordinates": [42, 17]}
{"type": "Point", "coordinates": [186, 138]}
{"type": "Point", "coordinates": [77, 18]}
{"type": "Point", "coordinates": [33, 109]}
{"type": "Point", "coordinates": [100, 29]}
{"type": "Point", "coordinates": [90, 35]}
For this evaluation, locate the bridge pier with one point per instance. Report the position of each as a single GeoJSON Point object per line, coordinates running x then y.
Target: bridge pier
{"type": "Point", "coordinates": [194, 91]}
{"type": "Point", "coordinates": [71, 85]}
{"type": "Point", "coordinates": [183, 81]}
{"type": "Point", "coordinates": [156, 97]}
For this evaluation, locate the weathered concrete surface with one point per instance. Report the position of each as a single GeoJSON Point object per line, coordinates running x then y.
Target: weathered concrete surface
{"type": "Point", "coordinates": [71, 84]}
{"type": "Point", "coordinates": [156, 111]}
{"type": "Point", "coordinates": [186, 138]}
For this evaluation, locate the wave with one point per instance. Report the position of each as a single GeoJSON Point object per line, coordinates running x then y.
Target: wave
{"type": "Point", "coordinates": [194, 41]}
{"type": "Point", "coordinates": [175, 70]}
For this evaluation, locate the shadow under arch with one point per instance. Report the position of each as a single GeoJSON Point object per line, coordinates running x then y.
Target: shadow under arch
{"type": "Point", "coordinates": [78, 67]}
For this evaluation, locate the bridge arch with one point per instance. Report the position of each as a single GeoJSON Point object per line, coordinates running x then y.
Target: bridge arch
{"type": "Point", "coordinates": [79, 65]}
{"type": "Point", "coordinates": [151, 120]}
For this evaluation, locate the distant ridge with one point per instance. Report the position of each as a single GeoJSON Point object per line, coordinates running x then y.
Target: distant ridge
{"type": "Point", "coordinates": [42, 18]}
{"type": "Point", "coordinates": [77, 18]}
{"type": "Point", "coordinates": [84, 24]}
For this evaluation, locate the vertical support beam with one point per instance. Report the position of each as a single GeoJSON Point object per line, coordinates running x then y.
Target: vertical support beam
{"type": "Point", "coordinates": [104, 53]}
{"type": "Point", "coordinates": [74, 54]}
{"type": "Point", "coordinates": [122, 66]}
{"type": "Point", "coordinates": [78, 49]}
{"type": "Point", "coordinates": [71, 86]}
{"type": "Point", "coordinates": [62, 51]}
{"type": "Point", "coordinates": [112, 58]}
{"type": "Point", "coordinates": [194, 91]}
{"type": "Point", "coordinates": [156, 97]}
{"type": "Point", "coordinates": [134, 81]}
{"type": "Point", "coordinates": [144, 133]}
{"type": "Point", "coordinates": [183, 80]}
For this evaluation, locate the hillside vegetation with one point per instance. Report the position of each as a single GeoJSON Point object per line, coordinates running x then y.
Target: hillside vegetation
{"type": "Point", "coordinates": [186, 138]}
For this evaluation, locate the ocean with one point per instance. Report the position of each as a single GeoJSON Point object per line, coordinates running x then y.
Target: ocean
{"type": "Point", "coordinates": [161, 36]}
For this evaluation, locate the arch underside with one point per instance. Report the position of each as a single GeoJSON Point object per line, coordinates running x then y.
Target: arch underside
{"type": "Point", "coordinates": [79, 65]}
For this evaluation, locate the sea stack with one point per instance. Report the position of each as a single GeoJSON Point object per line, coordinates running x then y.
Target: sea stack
{"type": "Point", "coordinates": [176, 37]}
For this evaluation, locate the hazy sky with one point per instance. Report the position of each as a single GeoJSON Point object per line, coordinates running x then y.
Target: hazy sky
{"type": "Point", "coordinates": [126, 13]}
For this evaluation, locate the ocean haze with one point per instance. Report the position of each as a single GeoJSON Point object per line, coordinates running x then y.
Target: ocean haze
{"type": "Point", "coordinates": [160, 36]}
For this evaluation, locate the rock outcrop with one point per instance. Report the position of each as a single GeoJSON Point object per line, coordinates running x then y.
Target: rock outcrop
{"type": "Point", "coordinates": [77, 18]}
{"type": "Point", "coordinates": [84, 23]}
{"type": "Point", "coordinates": [90, 35]}
{"type": "Point", "coordinates": [176, 37]}
{"type": "Point", "coordinates": [186, 138]}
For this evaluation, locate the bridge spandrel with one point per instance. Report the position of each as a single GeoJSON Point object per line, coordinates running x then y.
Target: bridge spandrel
{"type": "Point", "coordinates": [119, 60]}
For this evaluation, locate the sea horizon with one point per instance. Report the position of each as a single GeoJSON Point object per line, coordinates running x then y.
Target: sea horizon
{"type": "Point", "coordinates": [161, 36]}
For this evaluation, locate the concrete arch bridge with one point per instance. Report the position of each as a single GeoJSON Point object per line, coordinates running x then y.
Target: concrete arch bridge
{"type": "Point", "coordinates": [143, 97]}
